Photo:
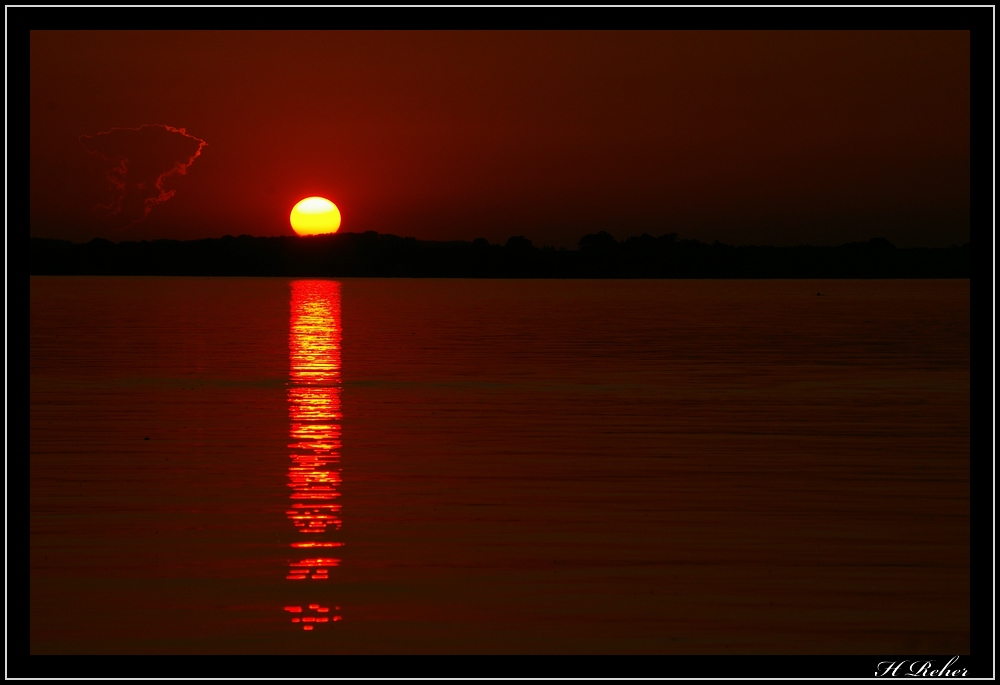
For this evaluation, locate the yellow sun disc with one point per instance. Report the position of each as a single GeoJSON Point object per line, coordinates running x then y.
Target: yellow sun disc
{"type": "Point", "coordinates": [315, 215]}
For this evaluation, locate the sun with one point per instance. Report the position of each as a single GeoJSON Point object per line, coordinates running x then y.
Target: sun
{"type": "Point", "coordinates": [315, 215]}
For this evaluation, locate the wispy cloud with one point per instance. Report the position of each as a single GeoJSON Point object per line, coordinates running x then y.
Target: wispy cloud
{"type": "Point", "coordinates": [140, 160]}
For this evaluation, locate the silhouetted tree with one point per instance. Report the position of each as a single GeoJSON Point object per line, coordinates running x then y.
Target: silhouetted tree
{"type": "Point", "coordinates": [598, 242]}
{"type": "Point", "coordinates": [518, 244]}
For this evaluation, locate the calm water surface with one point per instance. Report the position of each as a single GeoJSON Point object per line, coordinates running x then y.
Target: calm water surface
{"type": "Point", "coordinates": [409, 466]}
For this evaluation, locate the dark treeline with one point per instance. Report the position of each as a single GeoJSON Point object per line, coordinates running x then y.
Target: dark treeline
{"type": "Point", "coordinates": [599, 256]}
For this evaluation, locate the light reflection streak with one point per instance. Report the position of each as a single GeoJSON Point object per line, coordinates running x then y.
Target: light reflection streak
{"type": "Point", "coordinates": [314, 412]}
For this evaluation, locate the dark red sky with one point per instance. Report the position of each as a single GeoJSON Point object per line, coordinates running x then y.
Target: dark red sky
{"type": "Point", "coordinates": [744, 137]}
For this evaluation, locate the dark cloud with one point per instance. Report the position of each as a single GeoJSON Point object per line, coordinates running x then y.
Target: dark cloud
{"type": "Point", "coordinates": [140, 160]}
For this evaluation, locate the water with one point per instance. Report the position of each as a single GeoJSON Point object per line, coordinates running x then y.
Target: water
{"type": "Point", "coordinates": [692, 467]}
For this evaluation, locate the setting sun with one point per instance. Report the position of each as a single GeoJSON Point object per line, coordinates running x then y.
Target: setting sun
{"type": "Point", "coordinates": [315, 215]}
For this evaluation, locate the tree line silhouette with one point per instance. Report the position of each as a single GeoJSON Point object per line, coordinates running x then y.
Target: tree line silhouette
{"type": "Point", "coordinates": [384, 255]}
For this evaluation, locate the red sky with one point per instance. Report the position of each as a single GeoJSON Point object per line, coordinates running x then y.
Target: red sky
{"type": "Point", "coordinates": [744, 137]}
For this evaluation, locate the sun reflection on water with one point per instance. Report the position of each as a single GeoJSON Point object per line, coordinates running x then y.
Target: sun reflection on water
{"type": "Point", "coordinates": [315, 415]}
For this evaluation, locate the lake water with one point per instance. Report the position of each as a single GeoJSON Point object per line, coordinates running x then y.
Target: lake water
{"type": "Point", "coordinates": [230, 465]}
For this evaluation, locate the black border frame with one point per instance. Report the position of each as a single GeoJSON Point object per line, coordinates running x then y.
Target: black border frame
{"type": "Point", "coordinates": [979, 20]}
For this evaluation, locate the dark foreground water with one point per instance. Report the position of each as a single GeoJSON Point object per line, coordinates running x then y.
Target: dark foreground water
{"type": "Point", "coordinates": [408, 466]}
